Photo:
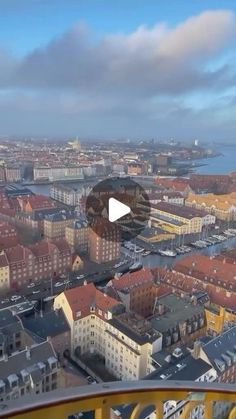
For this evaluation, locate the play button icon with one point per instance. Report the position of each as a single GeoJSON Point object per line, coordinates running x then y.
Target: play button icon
{"type": "Point", "coordinates": [116, 205]}
{"type": "Point", "coordinates": [116, 210]}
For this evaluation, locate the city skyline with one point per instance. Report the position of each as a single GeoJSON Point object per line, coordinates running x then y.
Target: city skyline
{"type": "Point", "coordinates": [117, 71]}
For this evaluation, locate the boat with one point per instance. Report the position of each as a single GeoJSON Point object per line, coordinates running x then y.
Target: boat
{"type": "Point", "coordinates": [186, 249]}
{"type": "Point", "coordinates": [199, 244]}
{"type": "Point", "coordinates": [139, 250]}
{"type": "Point", "coordinates": [219, 237]}
{"type": "Point", "coordinates": [167, 252]}
{"type": "Point", "coordinates": [229, 233]}
{"type": "Point", "coordinates": [179, 250]}
{"type": "Point", "coordinates": [146, 253]}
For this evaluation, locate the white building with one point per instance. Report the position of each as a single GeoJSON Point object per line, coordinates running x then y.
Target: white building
{"type": "Point", "coordinates": [97, 326]}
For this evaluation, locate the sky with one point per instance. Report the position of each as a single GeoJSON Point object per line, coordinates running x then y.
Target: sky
{"type": "Point", "coordinates": [110, 69]}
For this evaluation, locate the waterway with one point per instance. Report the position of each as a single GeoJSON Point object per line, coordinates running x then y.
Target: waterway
{"type": "Point", "coordinates": [155, 260]}
{"type": "Point", "coordinates": [222, 164]}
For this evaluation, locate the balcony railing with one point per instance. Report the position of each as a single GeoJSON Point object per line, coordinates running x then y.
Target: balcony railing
{"type": "Point", "coordinates": [103, 399]}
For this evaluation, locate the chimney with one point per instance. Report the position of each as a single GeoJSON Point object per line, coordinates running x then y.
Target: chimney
{"type": "Point", "coordinates": [27, 354]}
{"type": "Point", "coordinates": [196, 349]}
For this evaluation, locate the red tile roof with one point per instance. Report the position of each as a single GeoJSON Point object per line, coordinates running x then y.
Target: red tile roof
{"type": "Point", "coordinates": [40, 202]}
{"type": "Point", "coordinates": [208, 269]}
{"type": "Point", "coordinates": [132, 279]}
{"type": "Point", "coordinates": [82, 298]}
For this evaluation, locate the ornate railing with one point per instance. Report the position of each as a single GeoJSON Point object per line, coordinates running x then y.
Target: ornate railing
{"type": "Point", "coordinates": [105, 399]}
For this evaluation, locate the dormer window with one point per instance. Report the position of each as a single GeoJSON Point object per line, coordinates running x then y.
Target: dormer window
{"type": "Point", "coordinates": [25, 376]}
{"type": "Point", "coordinates": [13, 380]}
{"type": "Point", "coordinates": [52, 362]}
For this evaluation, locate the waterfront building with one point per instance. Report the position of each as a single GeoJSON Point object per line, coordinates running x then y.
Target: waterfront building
{"type": "Point", "coordinates": [12, 174]}
{"type": "Point", "coordinates": [179, 219]}
{"type": "Point", "coordinates": [34, 262]}
{"type": "Point", "coordinates": [222, 206]}
{"type": "Point", "coordinates": [43, 173]}
{"type": "Point", "coordinates": [104, 242]}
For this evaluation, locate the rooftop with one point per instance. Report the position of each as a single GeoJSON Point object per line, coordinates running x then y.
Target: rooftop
{"type": "Point", "coordinates": [177, 310]}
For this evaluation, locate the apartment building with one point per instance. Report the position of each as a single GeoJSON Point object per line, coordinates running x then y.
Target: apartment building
{"type": "Point", "coordinates": [130, 343]}
{"type": "Point", "coordinates": [33, 370]}
{"type": "Point", "coordinates": [53, 326]}
{"type": "Point", "coordinates": [13, 336]}
{"type": "Point", "coordinates": [217, 317]}
{"type": "Point", "coordinates": [222, 206]}
{"type": "Point", "coordinates": [66, 194]}
{"type": "Point", "coordinates": [58, 172]}
{"type": "Point", "coordinates": [136, 290]}
{"type": "Point", "coordinates": [4, 272]}
{"type": "Point", "coordinates": [104, 242]}
{"type": "Point", "coordinates": [77, 235]}
{"type": "Point", "coordinates": [34, 203]}
{"type": "Point", "coordinates": [35, 262]}
{"type": "Point", "coordinates": [126, 341]}
{"type": "Point", "coordinates": [214, 275]}
{"type": "Point", "coordinates": [173, 197]}
{"type": "Point", "coordinates": [180, 219]}
{"type": "Point", "coordinates": [54, 225]}
{"type": "Point", "coordinates": [220, 352]}
{"type": "Point", "coordinates": [8, 235]}
{"type": "Point", "coordinates": [13, 174]}
{"type": "Point", "coordinates": [87, 310]}
{"type": "Point", "coordinates": [177, 324]}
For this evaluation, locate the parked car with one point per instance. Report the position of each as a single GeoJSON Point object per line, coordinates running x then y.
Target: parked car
{"type": "Point", "coordinates": [91, 380]}
{"type": "Point", "coordinates": [58, 284]}
{"type": "Point", "coordinates": [15, 297]}
{"type": "Point", "coordinates": [31, 285]}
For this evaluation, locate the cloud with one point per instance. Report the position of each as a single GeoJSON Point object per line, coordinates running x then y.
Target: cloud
{"type": "Point", "coordinates": [146, 75]}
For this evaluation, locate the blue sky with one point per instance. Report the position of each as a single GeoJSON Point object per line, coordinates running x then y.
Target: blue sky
{"type": "Point", "coordinates": [118, 68]}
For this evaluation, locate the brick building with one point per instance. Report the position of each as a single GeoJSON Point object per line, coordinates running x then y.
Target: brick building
{"type": "Point", "coordinates": [104, 242]}
{"type": "Point", "coordinates": [136, 290]}
{"type": "Point", "coordinates": [8, 235]}
{"type": "Point", "coordinates": [35, 262]}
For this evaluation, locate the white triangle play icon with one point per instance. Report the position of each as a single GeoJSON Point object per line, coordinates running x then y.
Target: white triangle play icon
{"type": "Point", "coordinates": [116, 210]}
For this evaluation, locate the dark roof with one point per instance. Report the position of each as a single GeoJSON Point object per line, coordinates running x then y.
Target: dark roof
{"type": "Point", "coordinates": [9, 323]}
{"type": "Point", "coordinates": [20, 361]}
{"type": "Point", "coordinates": [179, 210]}
{"type": "Point", "coordinates": [222, 349]}
{"type": "Point", "coordinates": [51, 324]}
{"type": "Point", "coordinates": [150, 336]}
{"type": "Point", "coordinates": [60, 216]}
{"type": "Point", "coordinates": [187, 369]}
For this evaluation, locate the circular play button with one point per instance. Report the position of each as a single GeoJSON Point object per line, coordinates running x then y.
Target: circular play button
{"type": "Point", "coordinates": [118, 209]}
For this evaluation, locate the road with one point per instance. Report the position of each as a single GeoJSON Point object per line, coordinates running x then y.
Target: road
{"type": "Point", "coordinates": [47, 288]}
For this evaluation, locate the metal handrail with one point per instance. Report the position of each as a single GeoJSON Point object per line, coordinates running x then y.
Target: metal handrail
{"type": "Point", "coordinates": [106, 395]}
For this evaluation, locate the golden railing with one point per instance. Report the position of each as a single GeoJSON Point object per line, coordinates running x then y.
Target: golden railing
{"type": "Point", "coordinates": [103, 399]}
